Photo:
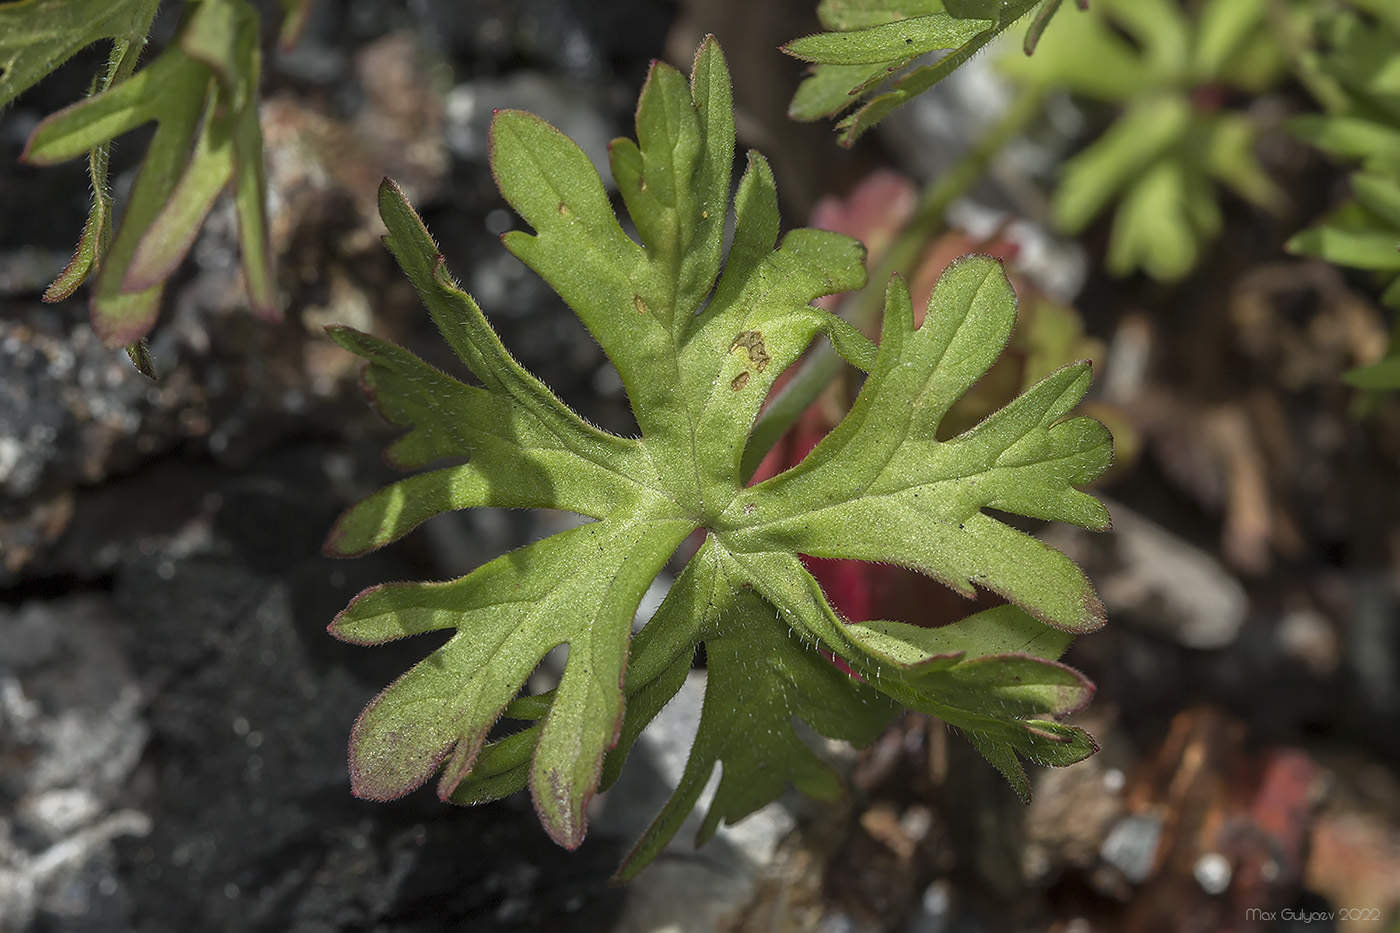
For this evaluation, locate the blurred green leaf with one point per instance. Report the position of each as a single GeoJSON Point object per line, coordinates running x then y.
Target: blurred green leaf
{"type": "Point", "coordinates": [1362, 59]}
{"type": "Point", "coordinates": [1351, 137]}
{"type": "Point", "coordinates": [1160, 160]}
{"type": "Point", "coordinates": [1119, 159]}
{"type": "Point", "coordinates": [202, 94]}
{"type": "Point", "coordinates": [36, 36]}
{"type": "Point", "coordinates": [1382, 376]}
{"type": "Point", "coordinates": [1360, 248]}
{"type": "Point", "coordinates": [1224, 26]}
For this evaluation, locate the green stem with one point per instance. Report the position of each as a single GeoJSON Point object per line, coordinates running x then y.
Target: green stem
{"type": "Point", "coordinates": [822, 364]}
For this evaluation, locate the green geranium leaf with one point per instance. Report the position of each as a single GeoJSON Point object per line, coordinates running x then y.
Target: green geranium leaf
{"type": "Point", "coordinates": [841, 15]}
{"type": "Point", "coordinates": [202, 94]}
{"type": "Point", "coordinates": [899, 42]}
{"type": "Point", "coordinates": [873, 39]}
{"type": "Point", "coordinates": [760, 679]}
{"type": "Point", "coordinates": [698, 339]}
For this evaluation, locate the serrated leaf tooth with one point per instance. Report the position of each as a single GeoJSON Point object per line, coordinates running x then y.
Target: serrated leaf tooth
{"type": "Point", "coordinates": [443, 277]}
{"type": "Point", "coordinates": [755, 232]}
{"type": "Point", "coordinates": [1054, 744]}
{"type": "Point", "coordinates": [899, 309]}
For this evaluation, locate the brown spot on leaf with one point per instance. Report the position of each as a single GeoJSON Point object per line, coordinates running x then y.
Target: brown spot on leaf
{"type": "Point", "coordinates": [739, 381]}
{"type": "Point", "coordinates": [752, 341]}
{"type": "Point", "coordinates": [563, 208]}
{"type": "Point", "coordinates": [639, 304]}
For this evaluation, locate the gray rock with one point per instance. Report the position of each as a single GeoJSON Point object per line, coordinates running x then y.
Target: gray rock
{"type": "Point", "coordinates": [71, 714]}
{"type": "Point", "coordinates": [1157, 581]}
{"type": "Point", "coordinates": [1131, 846]}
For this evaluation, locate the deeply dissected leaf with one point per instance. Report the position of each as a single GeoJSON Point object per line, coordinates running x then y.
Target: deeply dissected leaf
{"type": "Point", "coordinates": [871, 40]}
{"type": "Point", "coordinates": [698, 338]}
